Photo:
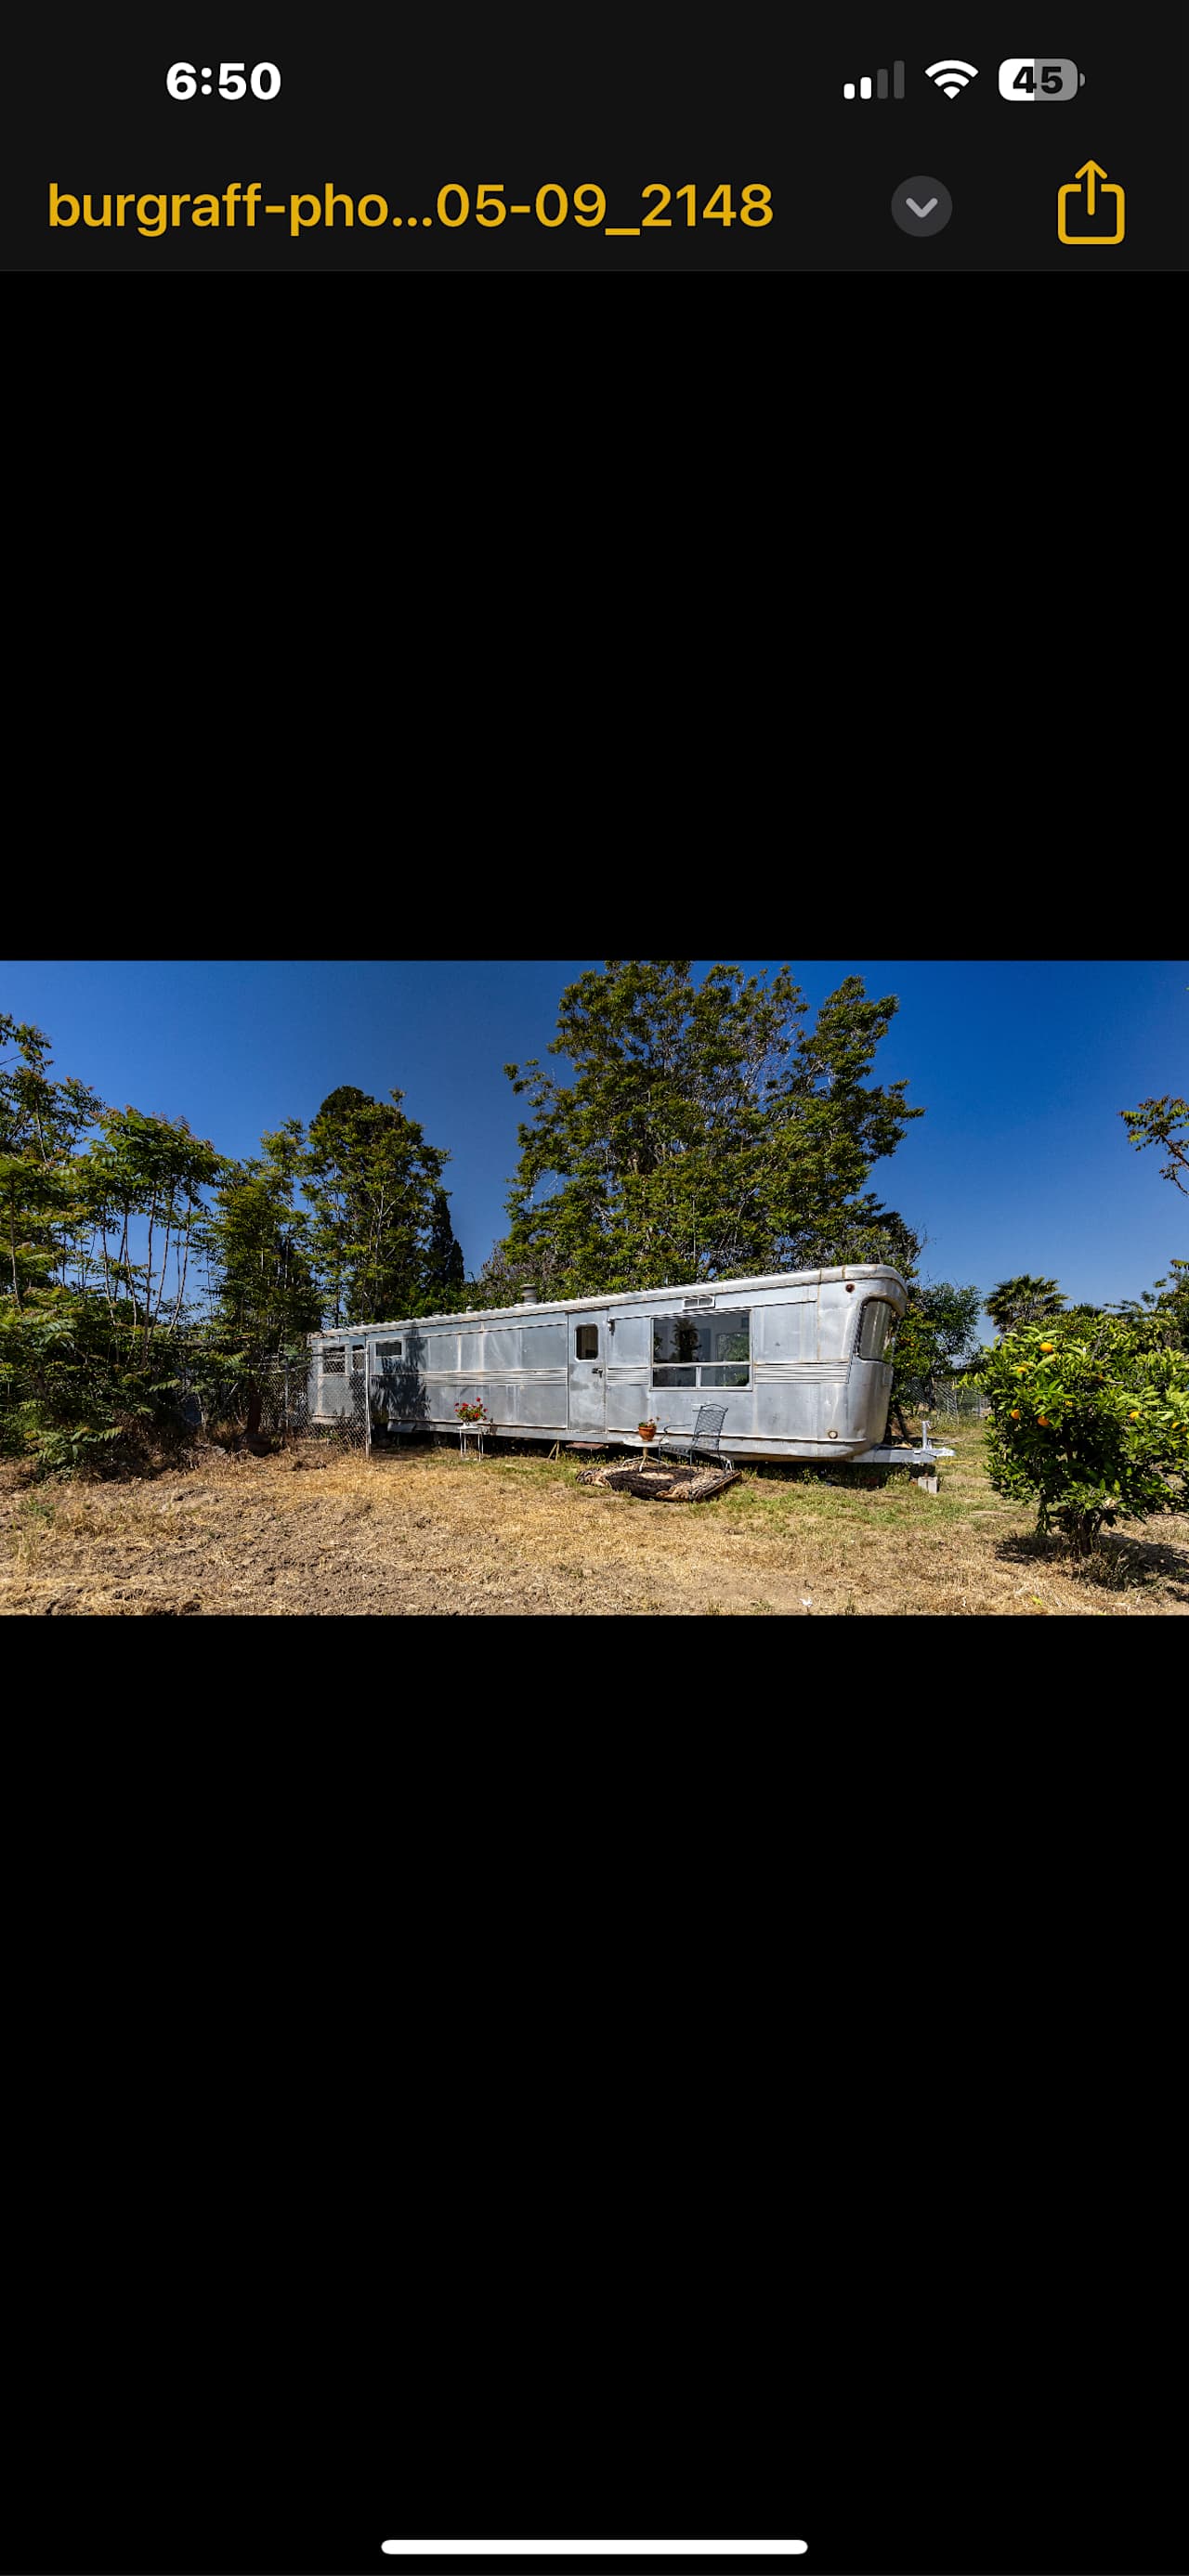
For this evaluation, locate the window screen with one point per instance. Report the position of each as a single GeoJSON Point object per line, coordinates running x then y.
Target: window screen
{"type": "Point", "coordinates": [586, 1342]}
{"type": "Point", "coordinates": [358, 1354]}
{"type": "Point", "coordinates": [707, 1350]}
{"type": "Point", "coordinates": [877, 1325]}
{"type": "Point", "coordinates": [334, 1363]}
{"type": "Point", "coordinates": [388, 1357]}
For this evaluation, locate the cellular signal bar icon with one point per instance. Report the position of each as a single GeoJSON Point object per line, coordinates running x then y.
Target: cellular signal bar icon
{"type": "Point", "coordinates": [881, 84]}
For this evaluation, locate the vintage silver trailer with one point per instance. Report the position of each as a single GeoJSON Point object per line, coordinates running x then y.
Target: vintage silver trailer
{"type": "Point", "coordinates": [799, 1358]}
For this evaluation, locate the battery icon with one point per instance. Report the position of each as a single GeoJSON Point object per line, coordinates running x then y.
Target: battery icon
{"type": "Point", "coordinates": [1021, 79]}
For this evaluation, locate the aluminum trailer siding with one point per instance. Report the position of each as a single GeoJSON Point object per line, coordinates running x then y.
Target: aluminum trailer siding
{"type": "Point", "coordinates": [799, 1358]}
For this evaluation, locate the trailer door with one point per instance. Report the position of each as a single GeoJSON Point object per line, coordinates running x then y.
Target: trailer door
{"type": "Point", "coordinates": [588, 1373]}
{"type": "Point", "coordinates": [330, 1384]}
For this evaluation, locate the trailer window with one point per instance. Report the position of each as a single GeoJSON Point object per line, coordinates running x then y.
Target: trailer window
{"type": "Point", "coordinates": [707, 1350]}
{"type": "Point", "coordinates": [334, 1363]}
{"type": "Point", "coordinates": [358, 1354]}
{"type": "Point", "coordinates": [389, 1356]}
{"type": "Point", "coordinates": [877, 1325]}
{"type": "Point", "coordinates": [586, 1341]}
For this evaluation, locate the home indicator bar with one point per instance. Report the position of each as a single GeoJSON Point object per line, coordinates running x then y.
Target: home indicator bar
{"type": "Point", "coordinates": [594, 2548]}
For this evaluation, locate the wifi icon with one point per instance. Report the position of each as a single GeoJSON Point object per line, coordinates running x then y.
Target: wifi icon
{"type": "Point", "coordinates": [951, 77]}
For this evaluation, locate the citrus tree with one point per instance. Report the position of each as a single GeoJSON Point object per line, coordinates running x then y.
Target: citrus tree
{"type": "Point", "coordinates": [1093, 1422]}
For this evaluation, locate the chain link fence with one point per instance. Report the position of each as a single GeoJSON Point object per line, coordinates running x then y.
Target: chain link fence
{"type": "Point", "coordinates": [956, 1400]}
{"type": "Point", "coordinates": [286, 1400]}
{"type": "Point", "coordinates": [301, 1403]}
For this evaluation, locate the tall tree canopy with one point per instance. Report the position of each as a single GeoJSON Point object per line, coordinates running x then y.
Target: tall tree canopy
{"type": "Point", "coordinates": [145, 1172]}
{"type": "Point", "coordinates": [41, 1122]}
{"type": "Point", "coordinates": [263, 1294]}
{"type": "Point", "coordinates": [445, 1269]}
{"type": "Point", "coordinates": [97, 1246]}
{"type": "Point", "coordinates": [106, 1316]}
{"type": "Point", "coordinates": [709, 1132]}
{"type": "Point", "coordinates": [374, 1186]}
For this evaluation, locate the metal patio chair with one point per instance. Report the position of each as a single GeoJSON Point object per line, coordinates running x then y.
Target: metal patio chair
{"type": "Point", "coordinates": [703, 1441]}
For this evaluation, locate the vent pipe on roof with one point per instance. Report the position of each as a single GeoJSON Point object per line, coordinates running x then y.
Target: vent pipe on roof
{"type": "Point", "coordinates": [528, 1296]}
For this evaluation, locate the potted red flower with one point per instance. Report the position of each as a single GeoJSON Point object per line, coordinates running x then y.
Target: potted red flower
{"type": "Point", "coordinates": [647, 1431]}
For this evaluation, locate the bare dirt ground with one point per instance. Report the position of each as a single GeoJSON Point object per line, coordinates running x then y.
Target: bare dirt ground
{"type": "Point", "coordinates": [426, 1532]}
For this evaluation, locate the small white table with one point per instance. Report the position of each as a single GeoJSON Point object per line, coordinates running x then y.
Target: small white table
{"type": "Point", "coordinates": [470, 1435]}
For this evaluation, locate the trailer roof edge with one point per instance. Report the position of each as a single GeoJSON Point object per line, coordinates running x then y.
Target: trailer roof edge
{"type": "Point", "coordinates": [853, 1270]}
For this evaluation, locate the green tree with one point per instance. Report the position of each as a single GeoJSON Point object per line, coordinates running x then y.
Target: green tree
{"type": "Point", "coordinates": [97, 1246]}
{"type": "Point", "coordinates": [1023, 1301]}
{"type": "Point", "coordinates": [46, 1373]}
{"type": "Point", "coordinates": [445, 1270]}
{"type": "Point", "coordinates": [708, 1132]}
{"type": "Point", "coordinates": [862, 1231]}
{"type": "Point", "coordinates": [1163, 1122]}
{"type": "Point", "coordinates": [502, 1282]}
{"type": "Point", "coordinates": [1170, 1303]}
{"type": "Point", "coordinates": [145, 1174]}
{"type": "Point", "coordinates": [1096, 1428]}
{"type": "Point", "coordinates": [41, 1122]}
{"type": "Point", "coordinates": [264, 1298]}
{"type": "Point", "coordinates": [371, 1181]}
{"type": "Point", "coordinates": [1162, 1310]}
{"type": "Point", "coordinates": [934, 1339]}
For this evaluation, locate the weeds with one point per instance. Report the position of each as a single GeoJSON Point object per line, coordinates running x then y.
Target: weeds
{"type": "Point", "coordinates": [35, 1517]}
{"type": "Point", "coordinates": [425, 1533]}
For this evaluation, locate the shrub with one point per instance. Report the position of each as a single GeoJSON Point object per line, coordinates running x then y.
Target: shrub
{"type": "Point", "coordinates": [1094, 1423]}
{"type": "Point", "coordinates": [71, 1400]}
{"type": "Point", "coordinates": [932, 1340]}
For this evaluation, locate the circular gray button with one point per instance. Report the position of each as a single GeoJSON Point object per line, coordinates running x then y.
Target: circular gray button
{"type": "Point", "coordinates": [922, 206]}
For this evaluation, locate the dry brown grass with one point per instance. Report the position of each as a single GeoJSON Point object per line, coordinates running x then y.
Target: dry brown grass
{"type": "Point", "coordinates": [427, 1532]}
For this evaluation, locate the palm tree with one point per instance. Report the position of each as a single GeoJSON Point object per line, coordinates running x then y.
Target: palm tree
{"type": "Point", "coordinates": [1022, 1301]}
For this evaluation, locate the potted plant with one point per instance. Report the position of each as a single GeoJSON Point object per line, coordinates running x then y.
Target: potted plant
{"type": "Point", "coordinates": [470, 1412]}
{"type": "Point", "coordinates": [647, 1431]}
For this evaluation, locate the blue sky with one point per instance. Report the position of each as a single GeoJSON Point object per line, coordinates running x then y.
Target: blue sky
{"type": "Point", "coordinates": [1021, 1162]}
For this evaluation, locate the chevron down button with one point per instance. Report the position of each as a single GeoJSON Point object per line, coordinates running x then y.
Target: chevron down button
{"type": "Point", "coordinates": [921, 206]}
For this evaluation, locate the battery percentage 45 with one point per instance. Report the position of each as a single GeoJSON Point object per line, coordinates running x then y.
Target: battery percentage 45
{"type": "Point", "coordinates": [1021, 78]}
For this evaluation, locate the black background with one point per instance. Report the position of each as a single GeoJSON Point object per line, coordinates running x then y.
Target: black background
{"type": "Point", "coordinates": [307, 2267]}
{"type": "Point", "coordinates": [403, 99]}
{"type": "Point", "coordinates": [906, 2481]}
{"type": "Point", "coordinates": [591, 2130]}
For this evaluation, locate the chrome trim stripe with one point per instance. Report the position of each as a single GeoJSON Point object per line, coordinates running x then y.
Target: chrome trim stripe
{"type": "Point", "coordinates": [493, 1377]}
{"type": "Point", "coordinates": [802, 1372]}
